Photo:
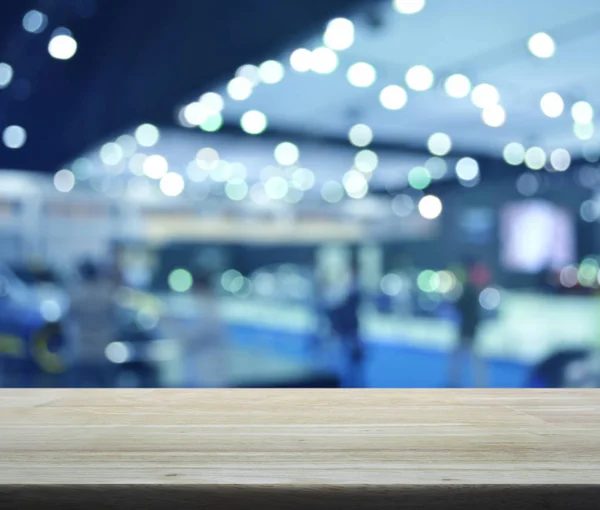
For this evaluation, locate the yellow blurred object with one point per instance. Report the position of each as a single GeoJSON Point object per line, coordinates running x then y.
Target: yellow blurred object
{"type": "Point", "coordinates": [12, 345]}
{"type": "Point", "coordinates": [47, 360]}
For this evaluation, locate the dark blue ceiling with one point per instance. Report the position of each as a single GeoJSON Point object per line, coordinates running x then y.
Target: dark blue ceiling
{"type": "Point", "coordinates": [136, 60]}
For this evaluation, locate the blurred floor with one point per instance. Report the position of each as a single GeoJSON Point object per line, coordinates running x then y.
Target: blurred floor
{"type": "Point", "coordinates": [387, 366]}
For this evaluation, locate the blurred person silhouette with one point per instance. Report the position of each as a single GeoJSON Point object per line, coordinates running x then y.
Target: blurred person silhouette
{"type": "Point", "coordinates": [343, 311]}
{"type": "Point", "coordinates": [204, 343]}
{"type": "Point", "coordinates": [469, 319]}
{"type": "Point", "coordinates": [91, 326]}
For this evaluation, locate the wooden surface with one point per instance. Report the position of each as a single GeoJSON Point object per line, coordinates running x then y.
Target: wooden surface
{"type": "Point", "coordinates": [300, 448]}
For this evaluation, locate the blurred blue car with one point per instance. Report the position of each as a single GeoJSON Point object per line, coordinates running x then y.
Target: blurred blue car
{"type": "Point", "coordinates": [26, 333]}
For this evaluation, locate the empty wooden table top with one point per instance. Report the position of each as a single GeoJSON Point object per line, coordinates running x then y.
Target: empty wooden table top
{"type": "Point", "coordinates": [300, 448]}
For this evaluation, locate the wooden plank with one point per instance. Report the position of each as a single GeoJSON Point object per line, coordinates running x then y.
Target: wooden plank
{"type": "Point", "coordinates": [300, 448]}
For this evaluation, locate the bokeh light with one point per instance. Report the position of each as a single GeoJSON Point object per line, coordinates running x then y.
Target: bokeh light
{"type": "Point", "coordinates": [541, 45]}
{"type": "Point", "coordinates": [467, 169]}
{"type": "Point", "coordinates": [236, 189]}
{"type": "Point", "coordinates": [14, 137]}
{"type": "Point", "coordinates": [212, 102]}
{"type": "Point", "coordinates": [254, 122]}
{"type": "Point", "coordinates": [155, 166]}
{"type": "Point", "coordinates": [439, 144]}
{"type": "Point", "coordinates": [485, 95]}
{"type": "Point", "coordinates": [528, 184]}
{"type": "Point", "coordinates": [457, 86]}
{"type": "Point", "coordinates": [271, 72]}
{"type": "Point", "coordinates": [590, 211]}
{"type": "Point", "coordinates": [494, 115]}
{"type": "Point", "coordinates": [584, 131]}
{"type": "Point", "coordinates": [212, 123]}
{"type": "Point", "coordinates": [552, 104]}
{"type": "Point", "coordinates": [147, 135]}
{"type": "Point", "coordinates": [366, 161]}
{"type": "Point", "coordinates": [286, 153]}
{"type": "Point", "coordinates": [324, 60]}
{"type": "Point", "coordinates": [6, 74]}
{"type": "Point", "coordinates": [180, 280]}
{"type": "Point", "coordinates": [514, 153]}
{"type": "Point", "coordinates": [393, 97]}
{"type": "Point", "coordinates": [360, 135]}
{"type": "Point", "coordinates": [207, 158]}
{"type": "Point", "coordinates": [490, 298]}
{"type": "Point", "coordinates": [362, 74]}
{"type": "Point", "coordinates": [276, 187]}
{"type": "Point", "coordinates": [35, 21]}
{"type": "Point", "coordinates": [535, 158]}
{"type": "Point", "coordinates": [403, 205]}
{"type": "Point", "coordinates": [408, 6]}
{"type": "Point", "coordinates": [339, 34]}
{"type": "Point", "coordinates": [437, 167]}
{"type": "Point", "coordinates": [430, 207]}
{"type": "Point", "coordinates": [128, 145]}
{"type": "Point", "coordinates": [62, 47]}
{"type": "Point", "coordinates": [239, 88]}
{"type": "Point", "coordinates": [355, 184]}
{"type": "Point", "coordinates": [172, 184]}
{"type": "Point", "coordinates": [64, 180]}
{"type": "Point", "coordinates": [301, 60]}
{"type": "Point", "coordinates": [251, 73]}
{"type": "Point", "coordinates": [419, 78]}
{"type": "Point", "coordinates": [332, 192]}
{"type": "Point", "coordinates": [419, 178]}
{"type": "Point", "coordinates": [560, 159]}
{"type": "Point", "coordinates": [582, 112]}
{"type": "Point", "coordinates": [111, 153]}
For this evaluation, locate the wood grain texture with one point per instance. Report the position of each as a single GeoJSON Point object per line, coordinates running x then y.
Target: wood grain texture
{"type": "Point", "coordinates": [300, 448]}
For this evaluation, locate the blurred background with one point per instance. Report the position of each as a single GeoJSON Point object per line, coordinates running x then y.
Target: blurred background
{"type": "Point", "coordinates": [267, 193]}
